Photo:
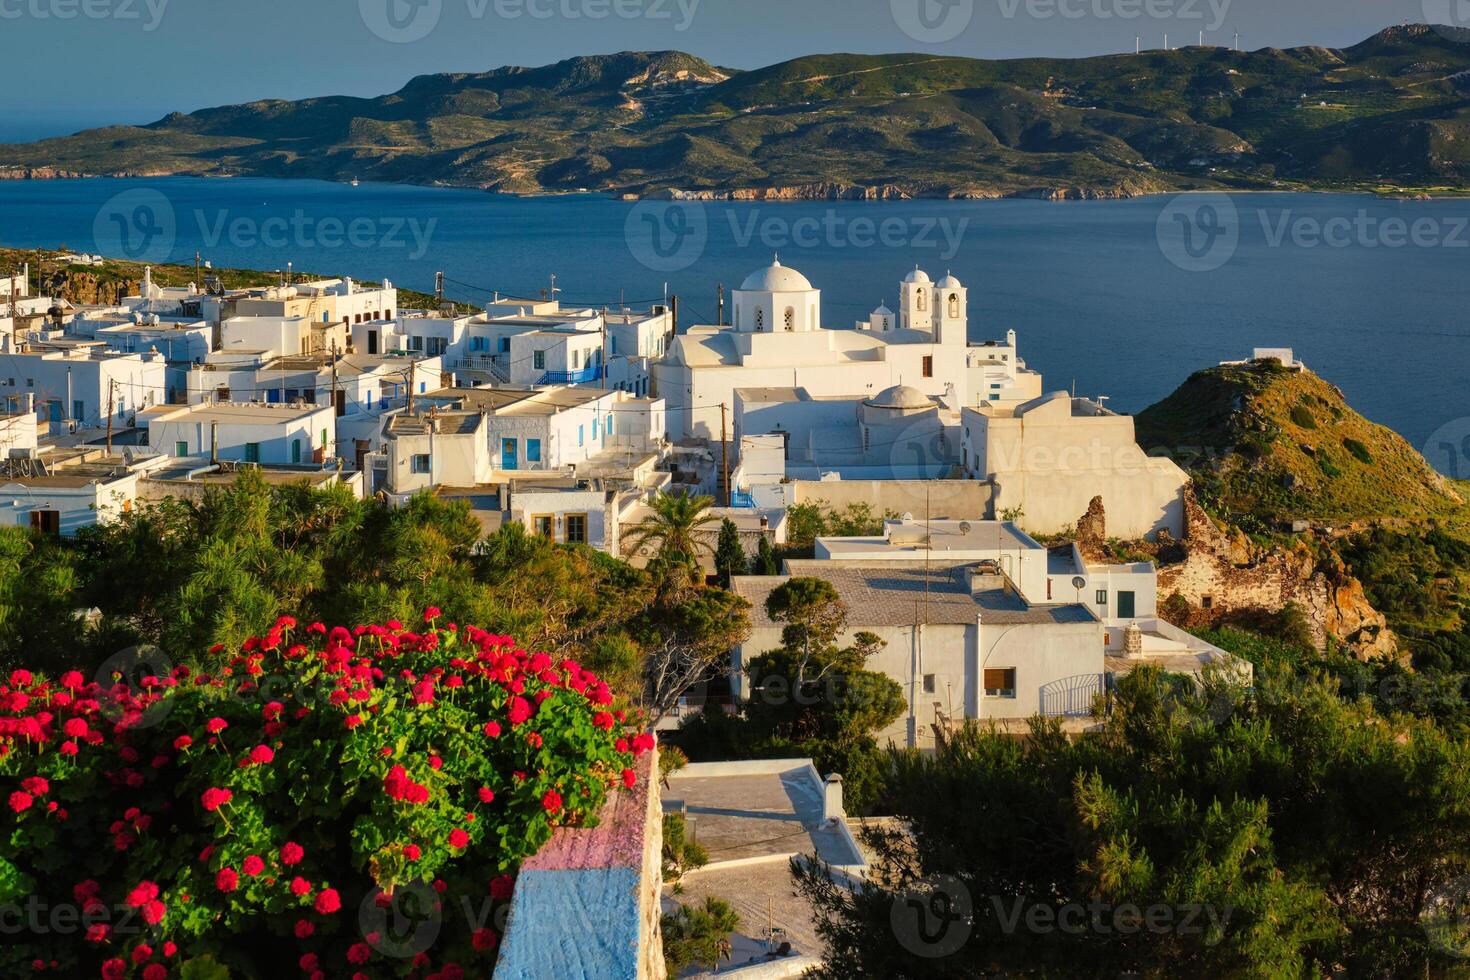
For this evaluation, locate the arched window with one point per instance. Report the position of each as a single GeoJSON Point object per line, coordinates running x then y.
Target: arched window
{"type": "Point", "coordinates": [885, 323]}
{"type": "Point", "coordinates": [760, 320]}
{"type": "Point", "coordinates": [923, 301]}
{"type": "Point", "coordinates": [954, 306]}
{"type": "Point", "coordinates": [790, 319]}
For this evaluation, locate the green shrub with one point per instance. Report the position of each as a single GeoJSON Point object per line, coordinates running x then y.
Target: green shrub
{"type": "Point", "coordinates": [1302, 417]}
{"type": "Point", "coordinates": [1359, 450]}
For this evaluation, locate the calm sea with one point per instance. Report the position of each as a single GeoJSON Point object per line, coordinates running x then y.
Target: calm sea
{"type": "Point", "coordinates": [1122, 298]}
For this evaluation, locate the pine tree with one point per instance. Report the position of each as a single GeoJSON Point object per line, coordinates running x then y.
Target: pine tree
{"type": "Point", "coordinates": [765, 559]}
{"type": "Point", "coordinates": [729, 553]}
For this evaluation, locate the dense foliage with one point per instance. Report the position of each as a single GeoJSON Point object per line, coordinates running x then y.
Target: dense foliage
{"type": "Point", "coordinates": [1277, 830]}
{"type": "Point", "coordinates": [185, 577]}
{"type": "Point", "coordinates": [810, 697]}
{"type": "Point", "coordinates": [264, 816]}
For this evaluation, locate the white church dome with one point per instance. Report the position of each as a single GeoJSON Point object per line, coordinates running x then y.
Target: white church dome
{"type": "Point", "coordinates": [950, 282]}
{"type": "Point", "coordinates": [883, 310]}
{"type": "Point", "coordinates": [901, 398]}
{"type": "Point", "coordinates": [775, 278]}
{"type": "Point", "coordinates": [917, 276]}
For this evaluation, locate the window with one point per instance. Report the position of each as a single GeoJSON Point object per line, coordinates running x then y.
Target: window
{"type": "Point", "coordinates": [504, 345]}
{"type": "Point", "coordinates": [576, 360]}
{"type": "Point", "coordinates": [416, 343]}
{"type": "Point", "coordinates": [79, 409]}
{"type": "Point", "coordinates": [790, 319]}
{"type": "Point", "coordinates": [581, 436]}
{"type": "Point", "coordinates": [420, 463]}
{"type": "Point", "coordinates": [533, 450]}
{"type": "Point", "coordinates": [30, 382]}
{"type": "Point", "coordinates": [46, 521]}
{"type": "Point", "coordinates": [576, 529]}
{"type": "Point", "coordinates": [614, 348]}
{"type": "Point", "coordinates": [436, 346]}
{"type": "Point", "coordinates": [252, 452]}
{"type": "Point", "coordinates": [181, 448]}
{"type": "Point", "coordinates": [923, 301]}
{"type": "Point", "coordinates": [1000, 683]}
{"type": "Point", "coordinates": [760, 320]}
{"type": "Point", "coordinates": [930, 685]}
{"type": "Point", "coordinates": [1102, 597]}
{"type": "Point", "coordinates": [1207, 602]}
{"type": "Point", "coordinates": [928, 365]}
{"type": "Point", "coordinates": [954, 306]}
{"type": "Point", "coordinates": [594, 428]}
{"type": "Point", "coordinates": [1127, 605]}
{"type": "Point", "coordinates": [608, 430]}
{"type": "Point", "coordinates": [542, 525]}
{"type": "Point", "coordinates": [538, 360]}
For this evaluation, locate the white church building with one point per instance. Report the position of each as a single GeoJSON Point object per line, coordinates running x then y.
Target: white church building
{"type": "Point", "coordinates": [777, 341]}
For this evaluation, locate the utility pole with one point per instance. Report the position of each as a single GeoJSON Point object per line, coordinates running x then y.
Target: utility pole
{"type": "Point", "coordinates": [111, 389]}
{"type": "Point", "coordinates": [336, 410]}
{"type": "Point", "coordinates": [724, 455]}
{"type": "Point", "coordinates": [674, 312]}
{"type": "Point", "coordinates": [603, 379]}
{"type": "Point", "coordinates": [197, 259]}
{"type": "Point", "coordinates": [720, 318]}
{"type": "Point", "coordinates": [438, 291]}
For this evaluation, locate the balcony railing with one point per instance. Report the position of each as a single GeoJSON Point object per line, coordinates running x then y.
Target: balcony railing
{"type": "Point", "coordinates": [581, 377]}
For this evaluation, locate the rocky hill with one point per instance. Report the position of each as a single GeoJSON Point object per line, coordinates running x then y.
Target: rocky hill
{"type": "Point", "coordinates": [1269, 446]}
{"type": "Point", "coordinates": [1393, 111]}
{"type": "Point", "coordinates": [1383, 564]}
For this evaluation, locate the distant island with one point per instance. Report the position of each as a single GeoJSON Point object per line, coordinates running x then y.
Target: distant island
{"type": "Point", "coordinates": [1390, 114]}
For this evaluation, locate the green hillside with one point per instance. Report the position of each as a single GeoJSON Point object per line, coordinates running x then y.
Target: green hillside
{"type": "Point", "coordinates": [1271, 445]}
{"type": "Point", "coordinates": [1392, 112]}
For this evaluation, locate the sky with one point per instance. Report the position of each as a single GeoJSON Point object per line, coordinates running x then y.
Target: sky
{"type": "Point", "coordinates": [67, 65]}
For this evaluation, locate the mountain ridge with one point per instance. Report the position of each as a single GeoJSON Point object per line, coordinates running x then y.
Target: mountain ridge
{"type": "Point", "coordinates": [1392, 111]}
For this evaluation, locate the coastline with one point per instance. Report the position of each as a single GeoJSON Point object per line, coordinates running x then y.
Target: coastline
{"type": "Point", "coordinates": [797, 193]}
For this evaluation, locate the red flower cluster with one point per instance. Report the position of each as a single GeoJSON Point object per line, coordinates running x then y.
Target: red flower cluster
{"type": "Point", "coordinates": [362, 708]}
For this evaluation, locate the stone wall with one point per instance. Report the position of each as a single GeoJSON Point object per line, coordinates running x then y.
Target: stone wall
{"type": "Point", "coordinates": [586, 906]}
{"type": "Point", "coordinates": [1220, 574]}
{"type": "Point", "coordinates": [957, 500]}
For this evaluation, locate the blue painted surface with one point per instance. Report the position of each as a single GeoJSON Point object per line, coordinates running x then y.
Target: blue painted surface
{"type": "Point", "coordinates": [572, 925]}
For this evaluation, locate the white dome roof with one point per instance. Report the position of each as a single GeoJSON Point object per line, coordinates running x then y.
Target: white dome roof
{"type": "Point", "coordinates": [950, 282]}
{"type": "Point", "coordinates": [901, 397]}
{"type": "Point", "coordinates": [775, 278]}
{"type": "Point", "coordinates": [883, 311]}
{"type": "Point", "coordinates": [917, 276]}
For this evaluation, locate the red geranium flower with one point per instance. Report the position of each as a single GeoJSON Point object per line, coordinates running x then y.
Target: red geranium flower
{"type": "Point", "coordinates": [253, 865]}
{"type": "Point", "coordinates": [458, 838]}
{"type": "Point", "coordinates": [213, 799]}
{"type": "Point", "coordinates": [226, 880]}
{"type": "Point", "coordinates": [551, 802]}
{"type": "Point", "coordinates": [262, 754]}
{"type": "Point", "coordinates": [291, 853]}
{"type": "Point", "coordinates": [328, 901]}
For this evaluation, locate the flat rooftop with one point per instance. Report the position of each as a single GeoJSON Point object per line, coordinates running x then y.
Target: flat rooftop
{"type": "Point", "coordinates": [899, 593]}
{"type": "Point", "coordinates": [276, 475]}
{"type": "Point", "coordinates": [936, 537]}
{"type": "Point", "coordinates": [237, 413]}
{"type": "Point", "coordinates": [516, 401]}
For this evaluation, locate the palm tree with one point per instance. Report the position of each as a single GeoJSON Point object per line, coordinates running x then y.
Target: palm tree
{"type": "Point", "coordinates": [674, 526]}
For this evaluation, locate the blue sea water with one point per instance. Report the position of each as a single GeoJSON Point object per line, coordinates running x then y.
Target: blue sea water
{"type": "Point", "coordinates": [1122, 298]}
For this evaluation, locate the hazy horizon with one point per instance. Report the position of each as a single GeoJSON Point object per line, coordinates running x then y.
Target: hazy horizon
{"type": "Point", "coordinates": [93, 69]}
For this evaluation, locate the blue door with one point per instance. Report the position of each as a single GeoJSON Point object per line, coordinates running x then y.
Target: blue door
{"type": "Point", "coordinates": [53, 414]}
{"type": "Point", "coordinates": [507, 454]}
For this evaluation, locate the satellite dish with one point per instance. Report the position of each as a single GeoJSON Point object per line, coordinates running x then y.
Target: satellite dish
{"type": "Point", "coordinates": [964, 527]}
{"type": "Point", "coordinates": [1078, 582]}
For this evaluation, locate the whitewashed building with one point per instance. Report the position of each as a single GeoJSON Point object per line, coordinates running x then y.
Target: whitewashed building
{"type": "Point", "coordinates": [246, 433]}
